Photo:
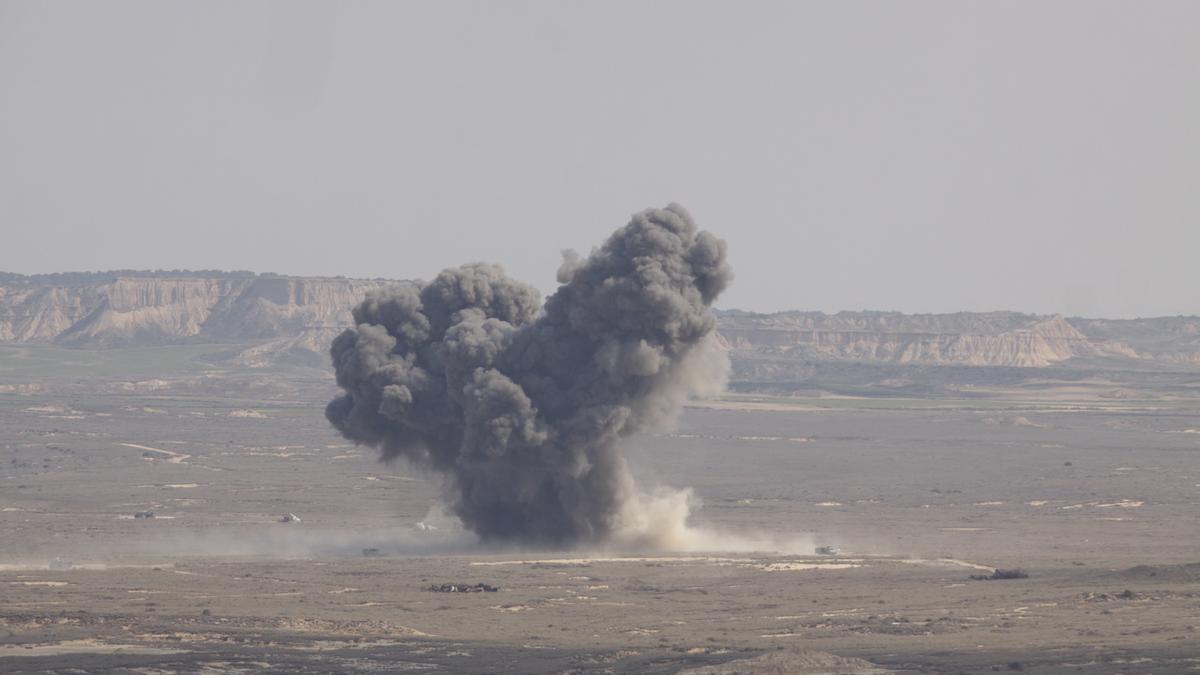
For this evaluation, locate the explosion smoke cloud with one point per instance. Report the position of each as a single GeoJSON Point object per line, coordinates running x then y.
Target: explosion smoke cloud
{"type": "Point", "coordinates": [522, 408]}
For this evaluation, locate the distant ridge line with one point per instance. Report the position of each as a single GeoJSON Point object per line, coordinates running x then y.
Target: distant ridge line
{"type": "Point", "coordinates": [100, 276]}
{"type": "Point", "coordinates": [81, 278]}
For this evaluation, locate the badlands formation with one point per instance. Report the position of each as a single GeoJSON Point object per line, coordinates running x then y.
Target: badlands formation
{"type": "Point", "coordinates": [292, 319]}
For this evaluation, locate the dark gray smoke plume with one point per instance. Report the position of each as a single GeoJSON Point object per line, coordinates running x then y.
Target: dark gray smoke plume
{"type": "Point", "coordinates": [521, 407]}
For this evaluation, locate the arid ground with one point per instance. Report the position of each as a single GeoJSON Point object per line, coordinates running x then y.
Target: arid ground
{"type": "Point", "coordinates": [1097, 500]}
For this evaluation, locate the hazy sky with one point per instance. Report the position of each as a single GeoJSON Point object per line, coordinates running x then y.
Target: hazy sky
{"type": "Point", "coordinates": [917, 156]}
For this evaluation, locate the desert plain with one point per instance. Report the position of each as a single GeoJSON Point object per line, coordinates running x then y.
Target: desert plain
{"type": "Point", "coordinates": [1096, 498]}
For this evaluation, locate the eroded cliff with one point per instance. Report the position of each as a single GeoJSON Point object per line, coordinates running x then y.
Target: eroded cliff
{"type": "Point", "coordinates": [276, 318]}
{"type": "Point", "coordinates": [977, 339]}
{"type": "Point", "coordinates": [141, 311]}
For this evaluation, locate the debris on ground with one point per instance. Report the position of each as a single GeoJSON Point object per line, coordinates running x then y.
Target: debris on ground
{"type": "Point", "coordinates": [1123, 595]}
{"type": "Point", "coordinates": [290, 518]}
{"type": "Point", "coordinates": [793, 662]}
{"type": "Point", "coordinates": [1001, 574]}
{"type": "Point", "coordinates": [463, 588]}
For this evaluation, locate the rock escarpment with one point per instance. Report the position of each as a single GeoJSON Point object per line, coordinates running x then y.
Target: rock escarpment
{"type": "Point", "coordinates": [128, 311]}
{"type": "Point", "coordinates": [974, 339]}
{"type": "Point", "coordinates": [1171, 339]}
{"type": "Point", "coordinates": [276, 318]}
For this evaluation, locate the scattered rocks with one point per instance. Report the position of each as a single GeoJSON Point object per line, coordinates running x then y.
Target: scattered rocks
{"type": "Point", "coordinates": [1123, 595]}
{"type": "Point", "coordinates": [1001, 575]}
{"type": "Point", "coordinates": [463, 588]}
{"type": "Point", "coordinates": [798, 662]}
{"type": "Point", "coordinates": [1185, 573]}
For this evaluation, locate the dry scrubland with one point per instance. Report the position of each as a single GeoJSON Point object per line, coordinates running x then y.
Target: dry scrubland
{"type": "Point", "coordinates": [1096, 496]}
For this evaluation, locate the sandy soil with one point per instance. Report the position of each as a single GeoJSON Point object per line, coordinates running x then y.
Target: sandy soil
{"type": "Point", "coordinates": [1100, 506]}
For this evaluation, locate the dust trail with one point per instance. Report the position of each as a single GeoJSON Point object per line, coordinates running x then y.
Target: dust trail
{"type": "Point", "coordinates": [522, 408]}
{"type": "Point", "coordinates": [658, 521]}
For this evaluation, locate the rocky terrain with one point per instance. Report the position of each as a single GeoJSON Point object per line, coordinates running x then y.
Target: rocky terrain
{"type": "Point", "coordinates": [277, 546]}
{"type": "Point", "coordinates": [975, 339]}
{"type": "Point", "coordinates": [284, 317]}
{"type": "Point", "coordinates": [905, 461]}
{"type": "Point", "coordinates": [971, 354]}
{"type": "Point", "coordinates": [273, 319]}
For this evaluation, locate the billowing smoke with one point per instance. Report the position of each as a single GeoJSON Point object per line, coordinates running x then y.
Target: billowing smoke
{"type": "Point", "coordinates": [522, 407]}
